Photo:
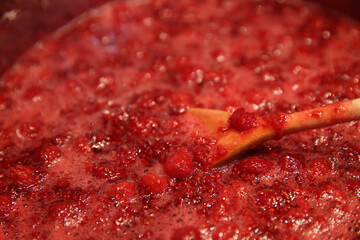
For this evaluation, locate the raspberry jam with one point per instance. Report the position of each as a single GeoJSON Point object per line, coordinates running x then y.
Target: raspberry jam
{"type": "Point", "coordinates": [95, 142]}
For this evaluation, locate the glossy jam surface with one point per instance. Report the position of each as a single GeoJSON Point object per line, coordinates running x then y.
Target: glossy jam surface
{"type": "Point", "coordinates": [95, 142]}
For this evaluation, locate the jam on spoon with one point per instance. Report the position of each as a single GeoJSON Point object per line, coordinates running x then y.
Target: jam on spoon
{"type": "Point", "coordinates": [244, 130]}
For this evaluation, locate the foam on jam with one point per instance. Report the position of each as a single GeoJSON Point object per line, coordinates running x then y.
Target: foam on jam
{"type": "Point", "coordinates": [94, 142]}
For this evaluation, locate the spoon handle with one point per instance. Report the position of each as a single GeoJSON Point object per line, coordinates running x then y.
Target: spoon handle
{"type": "Point", "coordinates": [322, 117]}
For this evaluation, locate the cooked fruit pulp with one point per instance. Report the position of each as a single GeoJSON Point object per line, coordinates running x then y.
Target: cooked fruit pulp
{"type": "Point", "coordinates": [95, 142]}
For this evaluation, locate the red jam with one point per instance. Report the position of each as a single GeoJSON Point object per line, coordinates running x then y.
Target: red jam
{"type": "Point", "coordinates": [94, 142]}
{"type": "Point", "coordinates": [243, 121]}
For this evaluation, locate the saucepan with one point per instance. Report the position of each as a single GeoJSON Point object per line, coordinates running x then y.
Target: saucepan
{"type": "Point", "coordinates": [24, 22]}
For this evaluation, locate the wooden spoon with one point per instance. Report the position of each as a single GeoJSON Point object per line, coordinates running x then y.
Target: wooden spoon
{"type": "Point", "coordinates": [270, 127]}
